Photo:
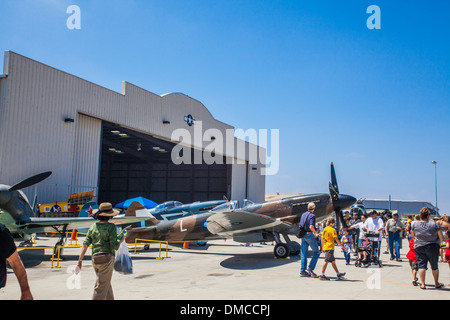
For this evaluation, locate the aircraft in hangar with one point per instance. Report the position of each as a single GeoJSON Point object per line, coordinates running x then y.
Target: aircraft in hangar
{"type": "Point", "coordinates": [17, 214]}
{"type": "Point", "coordinates": [267, 221]}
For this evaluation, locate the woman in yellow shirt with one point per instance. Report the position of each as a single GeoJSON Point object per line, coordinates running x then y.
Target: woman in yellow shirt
{"type": "Point", "coordinates": [329, 236]}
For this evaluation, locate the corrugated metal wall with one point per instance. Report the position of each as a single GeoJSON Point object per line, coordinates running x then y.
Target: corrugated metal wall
{"type": "Point", "coordinates": [35, 138]}
{"type": "Point", "coordinates": [3, 86]}
{"type": "Point", "coordinates": [87, 153]}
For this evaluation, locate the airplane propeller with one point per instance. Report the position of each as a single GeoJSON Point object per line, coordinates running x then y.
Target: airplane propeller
{"type": "Point", "coordinates": [340, 201]}
{"type": "Point", "coordinates": [30, 181]}
{"type": "Point", "coordinates": [333, 179]}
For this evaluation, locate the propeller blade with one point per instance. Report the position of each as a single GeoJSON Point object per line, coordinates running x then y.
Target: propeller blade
{"type": "Point", "coordinates": [341, 216]}
{"type": "Point", "coordinates": [30, 181]}
{"type": "Point", "coordinates": [335, 197]}
{"type": "Point", "coordinates": [333, 193]}
{"type": "Point", "coordinates": [333, 178]}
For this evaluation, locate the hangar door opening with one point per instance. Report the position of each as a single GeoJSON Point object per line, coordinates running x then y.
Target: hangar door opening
{"type": "Point", "coordinates": [134, 164]}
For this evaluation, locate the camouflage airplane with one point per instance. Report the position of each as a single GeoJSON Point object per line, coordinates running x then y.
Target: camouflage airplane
{"type": "Point", "coordinates": [253, 223]}
{"type": "Point", "coordinates": [17, 214]}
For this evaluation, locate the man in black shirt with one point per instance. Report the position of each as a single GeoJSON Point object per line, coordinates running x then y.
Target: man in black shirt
{"type": "Point", "coordinates": [8, 252]}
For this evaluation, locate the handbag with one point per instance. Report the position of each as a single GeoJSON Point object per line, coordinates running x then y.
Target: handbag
{"type": "Point", "coordinates": [123, 263]}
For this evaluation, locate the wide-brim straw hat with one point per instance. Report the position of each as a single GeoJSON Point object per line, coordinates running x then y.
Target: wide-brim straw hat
{"type": "Point", "coordinates": [106, 210]}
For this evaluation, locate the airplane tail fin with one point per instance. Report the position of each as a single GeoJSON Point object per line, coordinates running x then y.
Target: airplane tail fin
{"type": "Point", "coordinates": [138, 210]}
{"type": "Point", "coordinates": [87, 209]}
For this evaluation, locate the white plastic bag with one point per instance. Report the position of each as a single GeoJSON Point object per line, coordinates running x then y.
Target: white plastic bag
{"type": "Point", "coordinates": [123, 263]}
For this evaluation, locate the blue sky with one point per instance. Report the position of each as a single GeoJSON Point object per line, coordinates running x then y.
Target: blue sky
{"type": "Point", "coordinates": [375, 102]}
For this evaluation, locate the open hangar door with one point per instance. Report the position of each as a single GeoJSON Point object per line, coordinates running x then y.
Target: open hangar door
{"type": "Point", "coordinates": [135, 164]}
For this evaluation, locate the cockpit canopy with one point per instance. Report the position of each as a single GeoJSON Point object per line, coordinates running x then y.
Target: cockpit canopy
{"type": "Point", "coordinates": [229, 205]}
{"type": "Point", "coordinates": [168, 205]}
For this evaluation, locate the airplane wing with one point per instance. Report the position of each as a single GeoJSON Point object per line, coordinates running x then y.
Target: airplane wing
{"type": "Point", "coordinates": [229, 223]}
{"type": "Point", "coordinates": [36, 225]}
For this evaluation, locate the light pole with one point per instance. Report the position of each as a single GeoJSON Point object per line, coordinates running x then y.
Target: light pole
{"type": "Point", "coordinates": [435, 184]}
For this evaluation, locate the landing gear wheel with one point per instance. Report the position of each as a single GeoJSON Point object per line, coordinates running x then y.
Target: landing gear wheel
{"type": "Point", "coordinates": [281, 250]}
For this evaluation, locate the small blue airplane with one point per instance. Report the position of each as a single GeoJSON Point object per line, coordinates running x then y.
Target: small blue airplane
{"type": "Point", "coordinates": [172, 210]}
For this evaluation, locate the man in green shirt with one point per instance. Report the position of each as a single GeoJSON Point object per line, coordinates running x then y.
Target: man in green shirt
{"type": "Point", "coordinates": [103, 237]}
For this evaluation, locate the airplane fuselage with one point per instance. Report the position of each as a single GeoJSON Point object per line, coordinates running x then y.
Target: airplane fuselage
{"type": "Point", "coordinates": [190, 228]}
{"type": "Point", "coordinates": [194, 228]}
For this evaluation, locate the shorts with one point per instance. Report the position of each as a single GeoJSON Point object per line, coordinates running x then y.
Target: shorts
{"type": "Point", "coordinates": [427, 253]}
{"type": "Point", "coordinates": [414, 265]}
{"type": "Point", "coordinates": [329, 256]}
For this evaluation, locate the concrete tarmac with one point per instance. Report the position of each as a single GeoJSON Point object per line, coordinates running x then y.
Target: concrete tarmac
{"type": "Point", "coordinates": [222, 270]}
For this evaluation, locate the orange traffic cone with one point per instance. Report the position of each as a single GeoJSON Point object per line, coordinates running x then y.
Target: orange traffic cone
{"type": "Point", "coordinates": [186, 245]}
{"type": "Point", "coordinates": [74, 234]}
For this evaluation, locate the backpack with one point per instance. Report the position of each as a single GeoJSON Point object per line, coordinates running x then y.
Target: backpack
{"type": "Point", "coordinates": [301, 232]}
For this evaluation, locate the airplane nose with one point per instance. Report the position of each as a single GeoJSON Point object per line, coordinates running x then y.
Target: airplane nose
{"type": "Point", "coordinates": [5, 195]}
{"type": "Point", "coordinates": [345, 201]}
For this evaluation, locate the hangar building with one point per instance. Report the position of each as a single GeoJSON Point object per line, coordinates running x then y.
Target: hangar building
{"type": "Point", "coordinates": [117, 144]}
{"type": "Point", "coordinates": [403, 207]}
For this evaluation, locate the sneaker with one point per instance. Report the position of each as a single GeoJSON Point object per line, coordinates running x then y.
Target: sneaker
{"type": "Point", "coordinates": [312, 274]}
{"type": "Point", "coordinates": [304, 274]}
{"type": "Point", "coordinates": [340, 275]}
{"type": "Point", "coordinates": [323, 277]}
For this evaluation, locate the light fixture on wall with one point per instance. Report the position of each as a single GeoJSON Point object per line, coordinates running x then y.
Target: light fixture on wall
{"type": "Point", "coordinates": [166, 122]}
{"type": "Point", "coordinates": [69, 120]}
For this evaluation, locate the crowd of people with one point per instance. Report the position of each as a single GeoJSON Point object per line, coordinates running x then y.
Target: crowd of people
{"type": "Point", "coordinates": [361, 237]}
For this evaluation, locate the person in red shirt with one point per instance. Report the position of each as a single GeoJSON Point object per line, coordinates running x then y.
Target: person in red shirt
{"type": "Point", "coordinates": [411, 255]}
{"type": "Point", "coordinates": [447, 246]}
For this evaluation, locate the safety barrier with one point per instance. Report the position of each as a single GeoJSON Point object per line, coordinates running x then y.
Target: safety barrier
{"type": "Point", "coordinates": [45, 248]}
{"type": "Point", "coordinates": [39, 248]}
{"type": "Point", "coordinates": [137, 242]}
{"type": "Point", "coordinates": [73, 236]}
{"type": "Point", "coordinates": [58, 256]}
